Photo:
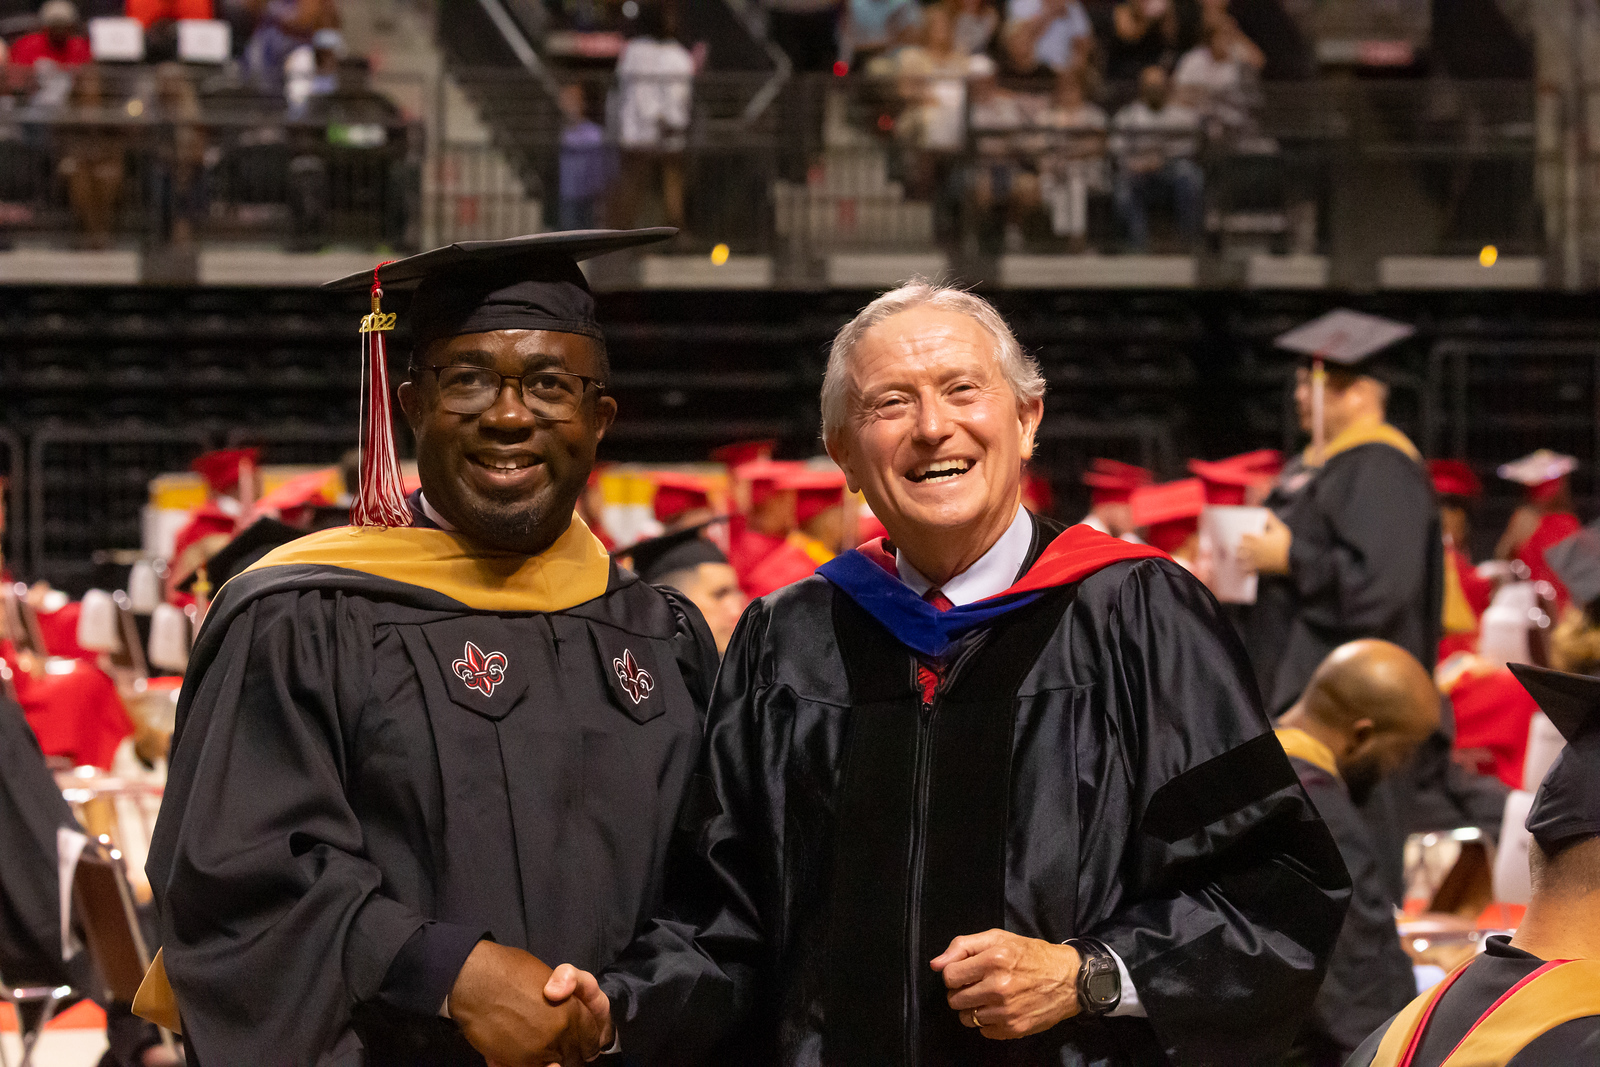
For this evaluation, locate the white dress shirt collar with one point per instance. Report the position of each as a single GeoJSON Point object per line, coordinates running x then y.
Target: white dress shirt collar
{"type": "Point", "coordinates": [994, 572]}
{"type": "Point", "coordinates": [433, 516]}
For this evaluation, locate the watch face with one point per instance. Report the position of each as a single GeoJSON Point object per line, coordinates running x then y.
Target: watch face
{"type": "Point", "coordinates": [1104, 986]}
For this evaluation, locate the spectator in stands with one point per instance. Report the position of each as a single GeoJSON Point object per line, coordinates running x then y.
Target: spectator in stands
{"type": "Point", "coordinates": [57, 40]}
{"type": "Point", "coordinates": [1047, 35]}
{"type": "Point", "coordinates": [1076, 162]}
{"type": "Point", "coordinates": [1215, 78]}
{"type": "Point", "coordinates": [1004, 190]}
{"type": "Point", "coordinates": [151, 11]}
{"type": "Point", "coordinates": [932, 81]}
{"type": "Point", "coordinates": [975, 24]}
{"type": "Point", "coordinates": [177, 187]}
{"type": "Point", "coordinates": [585, 163]}
{"type": "Point", "coordinates": [1145, 33]}
{"type": "Point", "coordinates": [92, 158]}
{"type": "Point", "coordinates": [1155, 141]}
{"type": "Point", "coordinates": [655, 79]}
{"type": "Point", "coordinates": [875, 28]}
{"type": "Point", "coordinates": [806, 30]}
{"type": "Point", "coordinates": [285, 25]}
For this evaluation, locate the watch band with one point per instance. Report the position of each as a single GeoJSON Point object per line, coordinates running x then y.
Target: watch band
{"type": "Point", "coordinates": [1099, 977]}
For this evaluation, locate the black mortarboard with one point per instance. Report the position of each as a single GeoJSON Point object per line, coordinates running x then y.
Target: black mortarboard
{"type": "Point", "coordinates": [1576, 561]}
{"type": "Point", "coordinates": [1567, 805]}
{"type": "Point", "coordinates": [246, 548]}
{"type": "Point", "coordinates": [520, 283]}
{"type": "Point", "coordinates": [1344, 338]}
{"type": "Point", "coordinates": [660, 556]}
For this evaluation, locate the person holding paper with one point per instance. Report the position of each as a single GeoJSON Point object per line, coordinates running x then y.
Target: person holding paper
{"type": "Point", "coordinates": [1353, 547]}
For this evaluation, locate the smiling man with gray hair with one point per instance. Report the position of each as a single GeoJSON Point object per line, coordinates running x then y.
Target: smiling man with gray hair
{"type": "Point", "coordinates": [985, 779]}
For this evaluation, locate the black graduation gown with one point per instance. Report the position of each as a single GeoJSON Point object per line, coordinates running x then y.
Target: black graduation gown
{"type": "Point", "coordinates": [1367, 560]}
{"type": "Point", "coordinates": [31, 810]}
{"type": "Point", "coordinates": [344, 815]}
{"type": "Point", "coordinates": [1497, 969]}
{"type": "Point", "coordinates": [1369, 975]}
{"type": "Point", "coordinates": [1095, 764]}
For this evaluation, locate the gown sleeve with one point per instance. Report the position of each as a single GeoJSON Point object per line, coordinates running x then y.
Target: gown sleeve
{"type": "Point", "coordinates": [1367, 563]}
{"type": "Point", "coordinates": [1231, 891]}
{"type": "Point", "coordinates": [698, 960]}
{"type": "Point", "coordinates": [272, 922]}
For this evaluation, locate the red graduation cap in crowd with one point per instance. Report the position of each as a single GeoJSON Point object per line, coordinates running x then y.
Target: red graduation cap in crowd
{"type": "Point", "coordinates": [221, 469]}
{"type": "Point", "coordinates": [1226, 480]}
{"type": "Point", "coordinates": [1169, 512]}
{"type": "Point", "coordinates": [741, 452]}
{"type": "Point", "coordinates": [1113, 482]}
{"type": "Point", "coordinates": [678, 492]}
{"type": "Point", "coordinates": [766, 477]}
{"type": "Point", "coordinates": [1453, 477]}
{"type": "Point", "coordinates": [816, 490]}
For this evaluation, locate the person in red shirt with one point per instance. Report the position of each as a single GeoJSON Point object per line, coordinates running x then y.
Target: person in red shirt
{"type": "Point", "coordinates": [1544, 518]}
{"type": "Point", "coordinates": [58, 41]}
{"type": "Point", "coordinates": [1466, 595]}
{"type": "Point", "coordinates": [213, 523]}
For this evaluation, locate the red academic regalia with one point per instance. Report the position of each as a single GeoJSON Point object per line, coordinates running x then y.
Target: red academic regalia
{"type": "Point", "coordinates": [1492, 712]}
{"type": "Point", "coordinates": [1556, 526]}
{"type": "Point", "coordinates": [1477, 591]}
{"type": "Point", "coordinates": [77, 714]}
{"type": "Point", "coordinates": [204, 521]}
{"type": "Point", "coordinates": [60, 631]}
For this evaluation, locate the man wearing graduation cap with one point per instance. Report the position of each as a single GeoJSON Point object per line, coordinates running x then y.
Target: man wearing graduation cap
{"type": "Point", "coordinates": [1353, 548]}
{"type": "Point", "coordinates": [1532, 1000]}
{"type": "Point", "coordinates": [697, 568]}
{"type": "Point", "coordinates": [988, 779]}
{"type": "Point", "coordinates": [417, 755]}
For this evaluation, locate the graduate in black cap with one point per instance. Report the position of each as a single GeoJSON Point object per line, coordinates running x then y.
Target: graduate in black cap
{"type": "Point", "coordinates": [693, 565]}
{"type": "Point", "coordinates": [1532, 1000]}
{"type": "Point", "coordinates": [417, 755]}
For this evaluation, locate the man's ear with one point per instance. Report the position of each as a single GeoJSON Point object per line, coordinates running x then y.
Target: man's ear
{"type": "Point", "coordinates": [411, 404]}
{"type": "Point", "coordinates": [1361, 732]}
{"type": "Point", "coordinates": [605, 413]}
{"type": "Point", "coordinates": [838, 448]}
{"type": "Point", "coordinates": [1030, 413]}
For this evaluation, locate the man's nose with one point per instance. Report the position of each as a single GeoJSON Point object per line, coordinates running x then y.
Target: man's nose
{"type": "Point", "coordinates": [508, 414]}
{"type": "Point", "coordinates": [933, 420]}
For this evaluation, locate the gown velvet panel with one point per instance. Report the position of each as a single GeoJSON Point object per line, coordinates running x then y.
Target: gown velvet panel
{"type": "Point", "coordinates": [1367, 560]}
{"type": "Point", "coordinates": [344, 772]}
{"type": "Point", "coordinates": [1143, 800]}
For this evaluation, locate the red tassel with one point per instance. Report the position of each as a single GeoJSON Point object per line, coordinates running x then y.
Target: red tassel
{"type": "Point", "coordinates": [380, 500]}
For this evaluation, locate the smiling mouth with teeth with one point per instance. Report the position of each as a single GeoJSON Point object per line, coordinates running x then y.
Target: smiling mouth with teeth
{"type": "Point", "coordinates": [506, 464]}
{"type": "Point", "coordinates": [942, 470]}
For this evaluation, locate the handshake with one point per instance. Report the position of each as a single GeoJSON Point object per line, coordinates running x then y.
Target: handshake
{"type": "Point", "coordinates": [517, 1012]}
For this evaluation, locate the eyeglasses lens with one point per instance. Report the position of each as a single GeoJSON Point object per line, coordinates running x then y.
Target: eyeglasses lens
{"type": "Point", "coordinates": [548, 395]}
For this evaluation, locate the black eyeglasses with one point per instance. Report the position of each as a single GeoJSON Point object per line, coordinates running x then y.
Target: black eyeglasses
{"type": "Point", "coordinates": [551, 395]}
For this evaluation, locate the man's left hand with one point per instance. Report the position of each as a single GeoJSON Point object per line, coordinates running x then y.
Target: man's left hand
{"type": "Point", "coordinates": [1268, 551]}
{"type": "Point", "coordinates": [1009, 986]}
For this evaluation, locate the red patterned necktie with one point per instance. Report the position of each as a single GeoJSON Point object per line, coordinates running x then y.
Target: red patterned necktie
{"type": "Point", "coordinates": [928, 676]}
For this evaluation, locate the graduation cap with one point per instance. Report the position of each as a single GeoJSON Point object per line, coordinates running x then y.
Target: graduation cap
{"type": "Point", "coordinates": [742, 452]}
{"type": "Point", "coordinates": [520, 283]}
{"type": "Point", "coordinates": [1113, 482]}
{"type": "Point", "coordinates": [816, 490]}
{"type": "Point", "coordinates": [766, 477]}
{"type": "Point", "coordinates": [1453, 477]}
{"type": "Point", "coordinates": [660, 556]}
{"type": "Point", "coordinates": [222, 468]}
{"type": "Point", "coordinates": [1345, 338]}
{"type": "Point", "coordinates": [1567, 805]}
{"type": "Point", "coordinates": [246, 548]}
{"type": "Point", "coordinates": [1170, 512]}
{"type": "Point", "coordinates": [678, 492]}
{"type": "Point", "coordinates": [1540, 472]}
{"type": "Point", "coordinates": [1227, 479]}
{"type": "Point", "coordinates": [1576, 561]}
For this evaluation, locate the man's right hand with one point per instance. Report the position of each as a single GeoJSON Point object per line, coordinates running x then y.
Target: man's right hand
{"type": "Point", "coordinates": [498, 1001]}
{"type": "Point", "coordinates": [582, 987]}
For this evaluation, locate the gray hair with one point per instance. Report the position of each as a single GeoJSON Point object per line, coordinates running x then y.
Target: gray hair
{"type": "Point", "coordinates": [1021, 371]}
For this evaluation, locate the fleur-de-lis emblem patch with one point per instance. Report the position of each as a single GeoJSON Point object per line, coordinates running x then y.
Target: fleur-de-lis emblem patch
{"type": "Point", "coordinates": [636, 681]}
{"type": "Point", "coordinates": [479, 671]}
